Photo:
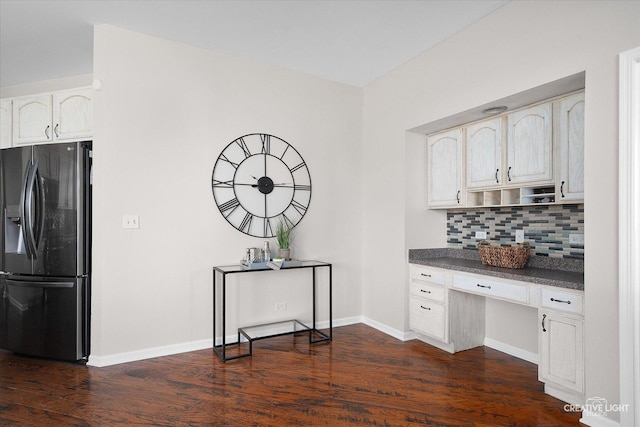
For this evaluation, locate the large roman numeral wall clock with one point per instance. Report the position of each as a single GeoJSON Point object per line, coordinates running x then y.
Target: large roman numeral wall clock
{"type": "Point", "coordinates": [259, 180]}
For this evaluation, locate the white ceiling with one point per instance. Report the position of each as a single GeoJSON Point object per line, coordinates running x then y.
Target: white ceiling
{"type": "Point", "coordinates": [348, 41]}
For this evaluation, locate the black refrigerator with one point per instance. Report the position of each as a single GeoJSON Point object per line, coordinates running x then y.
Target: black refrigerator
{"type": "Point", "coordinates": [45, 264]}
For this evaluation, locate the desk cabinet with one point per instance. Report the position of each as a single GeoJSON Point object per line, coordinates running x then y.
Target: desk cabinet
{"type": "Point", "coordinates": [447, 310]}
{"type": "Point", "coordinates": [561, 347]}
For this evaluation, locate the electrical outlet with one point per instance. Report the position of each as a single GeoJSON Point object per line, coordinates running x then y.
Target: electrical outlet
{"type": "Point", "coordinates": [519, 236]}
{"type": "Point", "coordinates": [130, 221]}
{"type": "Point", "coordinates": [576, 239]}
{"type": "Point", "coordinates": [481, 234]}
{"type": "Point", "coordinates": [281, 306]}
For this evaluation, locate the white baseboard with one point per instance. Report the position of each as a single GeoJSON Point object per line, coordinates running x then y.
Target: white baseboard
{"type": "Point", "coordinates": [150, 353]}
{"type": "Point", "coordinates": [397, 334]}
{"type": "Point", "coordinates": [511, 350]}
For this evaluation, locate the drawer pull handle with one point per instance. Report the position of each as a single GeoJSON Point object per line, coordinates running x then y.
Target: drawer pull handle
{"type": "Point", "coordinates": [483, 286]}
{"type": "Point", "coordinates": [425, 275]}
{"type": "Point", "coordinates": [426, 292]}
{"type": "Point", "coordinates": [426, 308]}
{"type": "Point", "coordinates": [544, 316]}
{"type": "Point", "coordinates": [559, 300]}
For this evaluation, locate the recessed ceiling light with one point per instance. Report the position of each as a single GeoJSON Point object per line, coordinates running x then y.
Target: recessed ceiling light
{"type": "Point", "coordinates": [494, 110]}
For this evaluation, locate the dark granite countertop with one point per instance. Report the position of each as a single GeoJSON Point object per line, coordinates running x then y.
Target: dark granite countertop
{"type": "Point", "coordinates": [559, 272]}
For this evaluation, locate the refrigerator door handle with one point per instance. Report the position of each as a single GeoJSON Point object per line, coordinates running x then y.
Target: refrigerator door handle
{"type": "Point", "coordinates": [40, 213]}
{"type": "Point", "coordinates": [24, 228]}
{"type": "Point", "coordinates": [30, 241]}
{"type": "Point", "coordinates": [55, 284]}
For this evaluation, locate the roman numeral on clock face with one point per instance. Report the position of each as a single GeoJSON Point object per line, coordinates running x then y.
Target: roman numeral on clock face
{"type": "Point", "coordinates": [228, 207]}
{"type": "Point", "coordinates": [245, 225]}
{"type": "Point", "coordinates": [243, 145]}
{"type": "Point", "coordinates": [295, 168]}
{"type": "Point", "coordinates": [266, 144]}
{"type": "Point", "coordinates": [224, 184]}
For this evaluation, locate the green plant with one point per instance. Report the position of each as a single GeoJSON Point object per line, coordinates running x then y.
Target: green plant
{"type": "Point", "coordinates": [283, 232]}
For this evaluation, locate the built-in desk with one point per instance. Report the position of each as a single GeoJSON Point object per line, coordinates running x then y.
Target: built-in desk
{"type": "Point", "coordinates": [447, 293]}
{"type": "Point", "coordinates": [257, 332]}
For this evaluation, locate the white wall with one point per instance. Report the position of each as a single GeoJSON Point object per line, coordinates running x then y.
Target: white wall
{"type": "Point", "coordinates": [522, 45]}
{"type": "Point", "coordinates": [166, 112]}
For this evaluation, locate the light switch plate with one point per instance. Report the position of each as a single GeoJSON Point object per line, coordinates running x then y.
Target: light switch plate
{"type": "Point", "coordinates": [130, 221]}
{"type": "Point", "coordinates": [481, 234]}
{"type": "Point", "coordinates": [519, 236]}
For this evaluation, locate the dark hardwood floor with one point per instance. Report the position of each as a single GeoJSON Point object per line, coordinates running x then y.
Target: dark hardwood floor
{"type": "Point", "coordinates": [363, 377]}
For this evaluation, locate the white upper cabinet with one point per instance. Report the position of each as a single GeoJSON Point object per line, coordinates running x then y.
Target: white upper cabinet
{"type": "Point", "coordinates": [530, 145]}
{"type": "Point", "coordinates": [570, 146]}
{"type": "Point", "coordinates": [32, 117]}
{"type": "Point", "coordinates": [61, 116]}
{"type": "Point", "coordinates": [484, 153]}
{"type": "Point", "coordinates": [444, 163]}
{"type": "Point", "coordinates": [73, 114]}
{"type": "Point", "coordinates": [5, 123]}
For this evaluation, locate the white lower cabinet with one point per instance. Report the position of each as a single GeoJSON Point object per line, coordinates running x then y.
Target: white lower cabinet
{"type": "Point", "coordinates": [561, 346]}
{"type": "Point", "coordinates": [451, 321]}
{"type": "Point", "coordinates": [428, 317]}
{"type": "Point", "coordinates": [447, 310]}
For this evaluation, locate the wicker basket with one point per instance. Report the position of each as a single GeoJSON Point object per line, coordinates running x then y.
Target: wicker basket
{"type": "Point", "coordinates": [507, 257]}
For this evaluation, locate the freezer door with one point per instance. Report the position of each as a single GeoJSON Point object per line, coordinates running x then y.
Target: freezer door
{"type": "Point", "coordinates": [47, 318]}
{"type": "Point", "coordinates": [16, 168]}
{"type": "Point", "coordinates": [60, 230]}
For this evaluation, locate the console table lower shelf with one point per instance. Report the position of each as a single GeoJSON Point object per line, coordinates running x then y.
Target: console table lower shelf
{"type": "Point", "coordinates": [248, 334]}
{"type": "Point", "coordinates": [272, 330]}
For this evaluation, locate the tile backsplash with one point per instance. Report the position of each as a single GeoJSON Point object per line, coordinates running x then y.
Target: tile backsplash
{"type": "Point", "coordinates": [546, 228]}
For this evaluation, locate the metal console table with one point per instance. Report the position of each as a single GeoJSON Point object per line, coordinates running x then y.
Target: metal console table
{"type": "Point", "coordinates": [270, 330]}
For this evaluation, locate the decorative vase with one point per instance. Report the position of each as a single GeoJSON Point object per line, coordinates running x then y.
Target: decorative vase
{"type": "Point", "coordinates": [284, 253]}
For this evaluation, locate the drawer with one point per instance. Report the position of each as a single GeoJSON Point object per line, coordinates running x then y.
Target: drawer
{"type": "Point", "coordinates": [560, 300]}
{"type": "Point", "coordinates": [427, 317]}
{"type": "Point", "coordinates": [490, 287]}
{"type": "Point", "coordinates": [428, 274]}
{"type": "Point", "coordinates": [428, 290]}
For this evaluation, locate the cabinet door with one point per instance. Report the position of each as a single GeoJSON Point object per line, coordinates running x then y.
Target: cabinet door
{"type": "Point", "coordinates": [570, 137]}
{"type": "Point", "coordinates": [484, 153]}
{"type": "Point", "coordinates": [73, 114]}
{"type": "Point", "coordinates": [444, 163]}
{"type": "Point", "coordinates": [5, 123]}
{"type": "Point", "coordinates": [529, 145]}
{"type": "Point", "coordinates": [561, 350]}
{"type": "Point", "coordinates": [32, 120]}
